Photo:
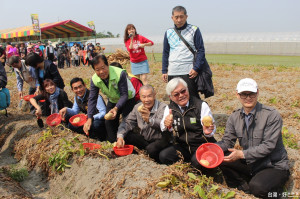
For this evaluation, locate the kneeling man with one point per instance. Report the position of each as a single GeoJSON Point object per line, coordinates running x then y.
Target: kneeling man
{"type": "Point", "coordinates": [184, 117]}
{"type": "Point", "coordinates": [147, 118]}
{"type": "Point", "coordinates": [97, 129]}
{"type": "Point", "coordinates": [261, 167]}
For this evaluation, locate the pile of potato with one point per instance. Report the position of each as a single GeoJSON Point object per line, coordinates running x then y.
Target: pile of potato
{"type": "Point", "coordinates": [120, 56]}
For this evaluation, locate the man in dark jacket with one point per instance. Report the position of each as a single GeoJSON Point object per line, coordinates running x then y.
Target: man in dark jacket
{"type": "Point", "coordinates": [3, 77]}
{"type": "Point", "coordinates": [184, 117]}
{"type": "Point", "coordinates": [147, 118]}
{"type": "Point", "coordinates": [261, 166]}
{"type": "Point", "coordinates": [44, 69]}
{"type": "Point", "coordinates": [97, 129]}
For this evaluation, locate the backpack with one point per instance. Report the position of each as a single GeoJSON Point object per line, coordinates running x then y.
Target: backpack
{"type": "Point", "coordinates": [4, 99]}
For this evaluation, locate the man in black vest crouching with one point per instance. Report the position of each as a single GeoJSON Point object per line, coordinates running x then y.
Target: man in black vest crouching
{"type": "Point", "coordinates": [184, 117]}
{"type": "Point", "coordinates": [97, 129]}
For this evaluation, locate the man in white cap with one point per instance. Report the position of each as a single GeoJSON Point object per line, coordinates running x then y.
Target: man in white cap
{"type": "Point", "coordinates": [261, 166]}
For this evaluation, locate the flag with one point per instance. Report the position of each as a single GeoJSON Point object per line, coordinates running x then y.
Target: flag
{"type": "Point", "coordinates": [35, 22]}
{"type": "Point", "coordinates": [91, 24]}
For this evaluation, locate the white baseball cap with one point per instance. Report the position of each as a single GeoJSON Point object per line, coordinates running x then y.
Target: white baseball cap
{"type": "Point", "coordinates": [247, 84]}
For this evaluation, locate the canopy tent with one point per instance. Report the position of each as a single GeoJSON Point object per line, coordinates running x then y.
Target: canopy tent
{"type": "Point", "coordinates": [61, 29]}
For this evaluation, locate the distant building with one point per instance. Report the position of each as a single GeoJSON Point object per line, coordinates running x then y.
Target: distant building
{"type": "Point", "coordinates": [260, 43]}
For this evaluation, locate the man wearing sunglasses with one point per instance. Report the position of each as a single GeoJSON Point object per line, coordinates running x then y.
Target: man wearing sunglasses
{"type": "Point", "coordinates": [261, 166]}
{"type": "Point", "coordinates": [183, 117]}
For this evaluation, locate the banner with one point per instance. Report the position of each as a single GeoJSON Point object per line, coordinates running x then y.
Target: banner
{"type": "Point", "coordinates": [35, 22]}
{"type": "Point", "coordinates": [91, 25]}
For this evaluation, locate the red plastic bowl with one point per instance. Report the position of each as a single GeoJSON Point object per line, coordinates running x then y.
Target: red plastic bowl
{"type": "Point", "coordinates": [54, 119]}
{"type": "Point", "coordinates": [28, 97]}
{"type": "Point", "coordinates": [83, 119]}
{"type": "Point", "coordinates": [91, 146]}
{"type": "Point", "coordinates": [126, 150]}
{"type": "Point", "coordinates": [210, 152]}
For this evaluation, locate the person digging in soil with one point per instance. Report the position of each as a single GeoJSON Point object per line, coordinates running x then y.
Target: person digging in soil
{"type": "Point", "coordinates": [113, 82]}
{"type": "Point", "coordinates": [44, 69]}
{"type": "Point", "coordinates": [261, 167]}
{"type": "Point", "coordinates": [184, 117]}
{"type": "Point", "coordinates": [97, 129]}
{"type": "Point", "coordinates": [147, 116]}
{"type": "Point", "coordinates": [23, 74]}
{"type": "Point", "coordinates": [55, 99]}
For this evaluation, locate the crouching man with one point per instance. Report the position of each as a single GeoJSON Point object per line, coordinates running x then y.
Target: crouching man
{"type": "Point", "coordinates": [97, 129]}
{"type": "Point", "coordinates": [147, 118]}
{"type": "Point", "coordinates": [23, 73]}
{"type": "Point", "coordinates": [261, 167]}
{"type": "Point", "coordinates": [184, 117]}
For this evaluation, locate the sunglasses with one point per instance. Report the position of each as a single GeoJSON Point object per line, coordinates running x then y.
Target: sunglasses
{"type": "Point", "coordinates": [245, 95]}
{"type": "Point", "coordinates": [182, 92]}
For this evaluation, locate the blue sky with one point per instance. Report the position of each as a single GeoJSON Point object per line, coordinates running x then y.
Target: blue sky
{"type": "Point", "coordinates": [153, 17]}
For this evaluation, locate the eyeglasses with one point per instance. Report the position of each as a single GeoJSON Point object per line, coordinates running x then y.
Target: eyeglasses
{"type": "Point", "coordinates": [182, 92]}
{"type": "Point", "coordinates": [245, 95]}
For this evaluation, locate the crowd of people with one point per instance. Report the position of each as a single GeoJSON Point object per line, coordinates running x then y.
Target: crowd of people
{"type": "Point", "coordinates": [167, 132]}
{"type": "Point", "coordinates": [61, 54]}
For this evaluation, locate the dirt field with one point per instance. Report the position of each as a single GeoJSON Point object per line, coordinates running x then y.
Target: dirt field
{"type": "Point", "coordinates": [134, 176]}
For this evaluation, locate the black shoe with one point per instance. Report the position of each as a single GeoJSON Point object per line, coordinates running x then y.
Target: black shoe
{"type": "Point", "coordinates": [244, 187]}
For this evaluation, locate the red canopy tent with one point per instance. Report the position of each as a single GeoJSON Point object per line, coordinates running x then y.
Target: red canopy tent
{"type": "Point", "coordinates": [61, 29]}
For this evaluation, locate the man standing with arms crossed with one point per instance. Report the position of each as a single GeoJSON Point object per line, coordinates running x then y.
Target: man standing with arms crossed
{"type": "Point", "coordinates": [178, 60]}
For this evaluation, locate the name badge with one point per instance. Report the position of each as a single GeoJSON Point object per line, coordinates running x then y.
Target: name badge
{"type": "Point", "coordinates": [193, 120]}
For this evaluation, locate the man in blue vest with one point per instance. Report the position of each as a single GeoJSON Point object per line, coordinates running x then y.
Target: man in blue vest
{"type": "Point", "coordinates": [97, 129]}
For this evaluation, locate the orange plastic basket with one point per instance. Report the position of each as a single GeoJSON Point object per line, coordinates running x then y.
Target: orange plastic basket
{"type": "Point", "coordinates": [126, 150]}
{"type": "Point", "coordinates": [210, 152]}
{"type": "Point", "coordinates": [54, 119]}
{"type": "Point", "coordinates": [91, 146]}
{"type": "Point", "coordinates": [83, 119]}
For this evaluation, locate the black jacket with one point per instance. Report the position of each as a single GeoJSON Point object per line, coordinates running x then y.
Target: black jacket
{"type": "Point", "coordinates": [50, 72]}
{"type": "Point", "coordinates": [187, 125]}
{"type": "Point", "coordinates": [3, 77]}
{"type": "Point", "coordinates": [204, 81]}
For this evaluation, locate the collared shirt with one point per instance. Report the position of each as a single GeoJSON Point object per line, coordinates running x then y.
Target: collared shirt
{"type": "Point", "coordinates": [249, 117]}
{"type": "Point", "coordinates": [41, 75]}
{"type": "Point", "coordinates": [205, 110]}
{"type": "Point", "coordinates": [100, 106]}
{"type": "Point", "coordinates": [182, 109]}
{"type": "Point", "coordinates": [153, 110]}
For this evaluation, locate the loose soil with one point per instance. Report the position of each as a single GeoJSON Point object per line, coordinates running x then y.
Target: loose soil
{"type": "Point", "coordinates": [133, 176]}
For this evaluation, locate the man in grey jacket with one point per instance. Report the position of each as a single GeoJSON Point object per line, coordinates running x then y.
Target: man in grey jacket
{"type": "Point", "coordinates": [23, 73]}
{"type": "Point", "coordinates": [261, 166]}
{"type": "Point", "coordinates": [147, 118]}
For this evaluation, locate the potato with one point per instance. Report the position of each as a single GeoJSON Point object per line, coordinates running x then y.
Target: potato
{"type": "Point", "coordinates": [207, 121]}
{"type": "Point", "coordinates": [108, 116]}
{"type": "Point", "coordinates": [140, 108]}
{"type": "Point", "coordinates": [163, 184]}
{"type": "Point", "coordinates": [76, 120]}
{"type": "Point", "coordinates": [204, 162]}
